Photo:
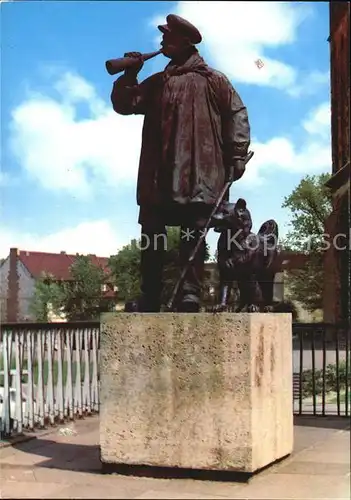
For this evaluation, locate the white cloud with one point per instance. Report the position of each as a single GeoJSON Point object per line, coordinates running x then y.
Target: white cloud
{"type": "Point", "coordinates": [279, 154]}
{"type": "Point", "coordinates": [309, 83]}
{"type": "Point", "coordinates": [96, 237]}
{"type": "Point", "coordinates": [236, 34]}
{"type": "Point", "coordinates": [100, 237]}
{"type": "Point", "coordinates": [60, 151]}
{"type": "Point", "coordinates": [319, 121]}
{"type": "Point", "coordinates": [5, 179]}
{"type": "Point", "coordinates": [63, 152]}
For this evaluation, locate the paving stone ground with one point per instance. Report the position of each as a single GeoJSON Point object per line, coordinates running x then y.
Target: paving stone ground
{"type": "Point", "coordinates": [56, 465]}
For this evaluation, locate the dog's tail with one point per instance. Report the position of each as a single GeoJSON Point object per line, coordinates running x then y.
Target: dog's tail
{"type": "Point", "coordinates": [131, 306]}
{"type": "Point", "coordinates": [286, 307]}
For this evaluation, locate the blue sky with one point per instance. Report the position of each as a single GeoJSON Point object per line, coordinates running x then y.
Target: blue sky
{"type": "Point", "coordinates": [69, 163]}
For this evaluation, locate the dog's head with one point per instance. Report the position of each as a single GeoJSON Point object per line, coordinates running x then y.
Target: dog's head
{"type": "Point", "coordinates": [269, 231]}
{"type": "Point", "coordinates": [234, 216]}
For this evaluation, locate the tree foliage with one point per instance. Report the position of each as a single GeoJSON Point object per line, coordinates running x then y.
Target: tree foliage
{"type": "Point", "coordinates": [81, 298]}
{"type": "Point", "coordinates": [84, 293]}
{"type": "Point", "coordinates": [125, 267]}
{"type": "Point", "coordinates": [334, 380]}
{"type": "Point", "coordinates": [125, 270]}
{"type": "Point", "coordinates": [48, 296]}
{"type": "Point", "coordinates": [310, 204]}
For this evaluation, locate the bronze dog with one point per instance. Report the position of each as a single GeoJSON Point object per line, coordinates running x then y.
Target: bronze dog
{"type": "Point", "coordinates": [245, 257]}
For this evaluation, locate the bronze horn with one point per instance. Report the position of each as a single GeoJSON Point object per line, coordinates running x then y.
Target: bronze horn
{"type": "Point", "coordinates": [114, 66]}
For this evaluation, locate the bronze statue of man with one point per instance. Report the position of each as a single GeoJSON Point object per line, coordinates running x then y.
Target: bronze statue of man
{"type": "Point", "coordinates": [195, 137]}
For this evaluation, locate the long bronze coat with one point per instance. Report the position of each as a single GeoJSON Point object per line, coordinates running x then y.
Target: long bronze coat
{"type": "Point", "coordinates": [195, 126]}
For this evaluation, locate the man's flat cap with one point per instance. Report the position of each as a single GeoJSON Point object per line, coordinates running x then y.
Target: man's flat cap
{"type": "Point", "coordinates": [181, 26]}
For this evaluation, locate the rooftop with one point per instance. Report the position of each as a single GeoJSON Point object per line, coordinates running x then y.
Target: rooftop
{"type": "Point", "coordinates": [56, 264]}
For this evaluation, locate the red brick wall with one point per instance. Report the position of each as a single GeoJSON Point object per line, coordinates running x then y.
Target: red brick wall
{"type": "Point", "coordinates": [335, 288]}
{"type": "Point", "coordinates": [331, 289]}
{"type": "Point", "coordinates": [340, 82]}
{"type": "Point", "coordinates": [13, 287]}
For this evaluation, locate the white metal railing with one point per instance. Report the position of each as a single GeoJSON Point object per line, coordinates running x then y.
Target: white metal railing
{"type": "Point", "coordinates": [48, 373]}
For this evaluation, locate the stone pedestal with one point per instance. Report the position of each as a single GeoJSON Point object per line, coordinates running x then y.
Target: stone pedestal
{"type": "Point", "coordinates": [199, 391]}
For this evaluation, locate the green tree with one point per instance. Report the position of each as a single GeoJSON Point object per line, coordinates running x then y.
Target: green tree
{"type": "Point", "coordinates": [48, 296]}
{"type": "Point", "coordinates": [80, 298]}
{"type": "Point", "coordinates": [125, 267]}
{"type": "Point", "coordinates": [334, 380]}
{"type": "Point", "coordinates": [83, 294]}
{"type": "Point", "coordinates": [310, 204]}
{"type": "Point", "coordinates": [125, 270]}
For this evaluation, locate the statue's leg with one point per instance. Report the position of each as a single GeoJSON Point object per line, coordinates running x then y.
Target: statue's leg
{"type": "Point", "coordinates": [250, 293]}
{"type": "Point", "coordinates": [153, 247]}
{"type": "Point", "coordinates": [243, 295]}
{"type": "Point", "coordinates": [223, 296]}
{"type": "Point", "coordinates": [227, 291]}
{"type": "Point", "coordinates": [267, 288]}
{"type": "Point", "coordinates": [255, 295]}
{"type": "Point", "coordinates": [190, 294]}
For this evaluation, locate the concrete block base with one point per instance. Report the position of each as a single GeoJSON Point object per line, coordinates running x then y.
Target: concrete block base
{"type": "Point", "coordinates": [196, 391]}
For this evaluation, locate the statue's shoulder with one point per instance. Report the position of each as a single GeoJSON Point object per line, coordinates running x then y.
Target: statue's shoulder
{"type": "Point", "coordinates": [219, 78]}
{"type": "Point", "coordinates": [220, 83]}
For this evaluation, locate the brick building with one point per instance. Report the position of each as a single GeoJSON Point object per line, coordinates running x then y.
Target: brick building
{"type": "Point", "coordinates": [21, 269]}
{"type": "Point", "coordinates": [337, 261]}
